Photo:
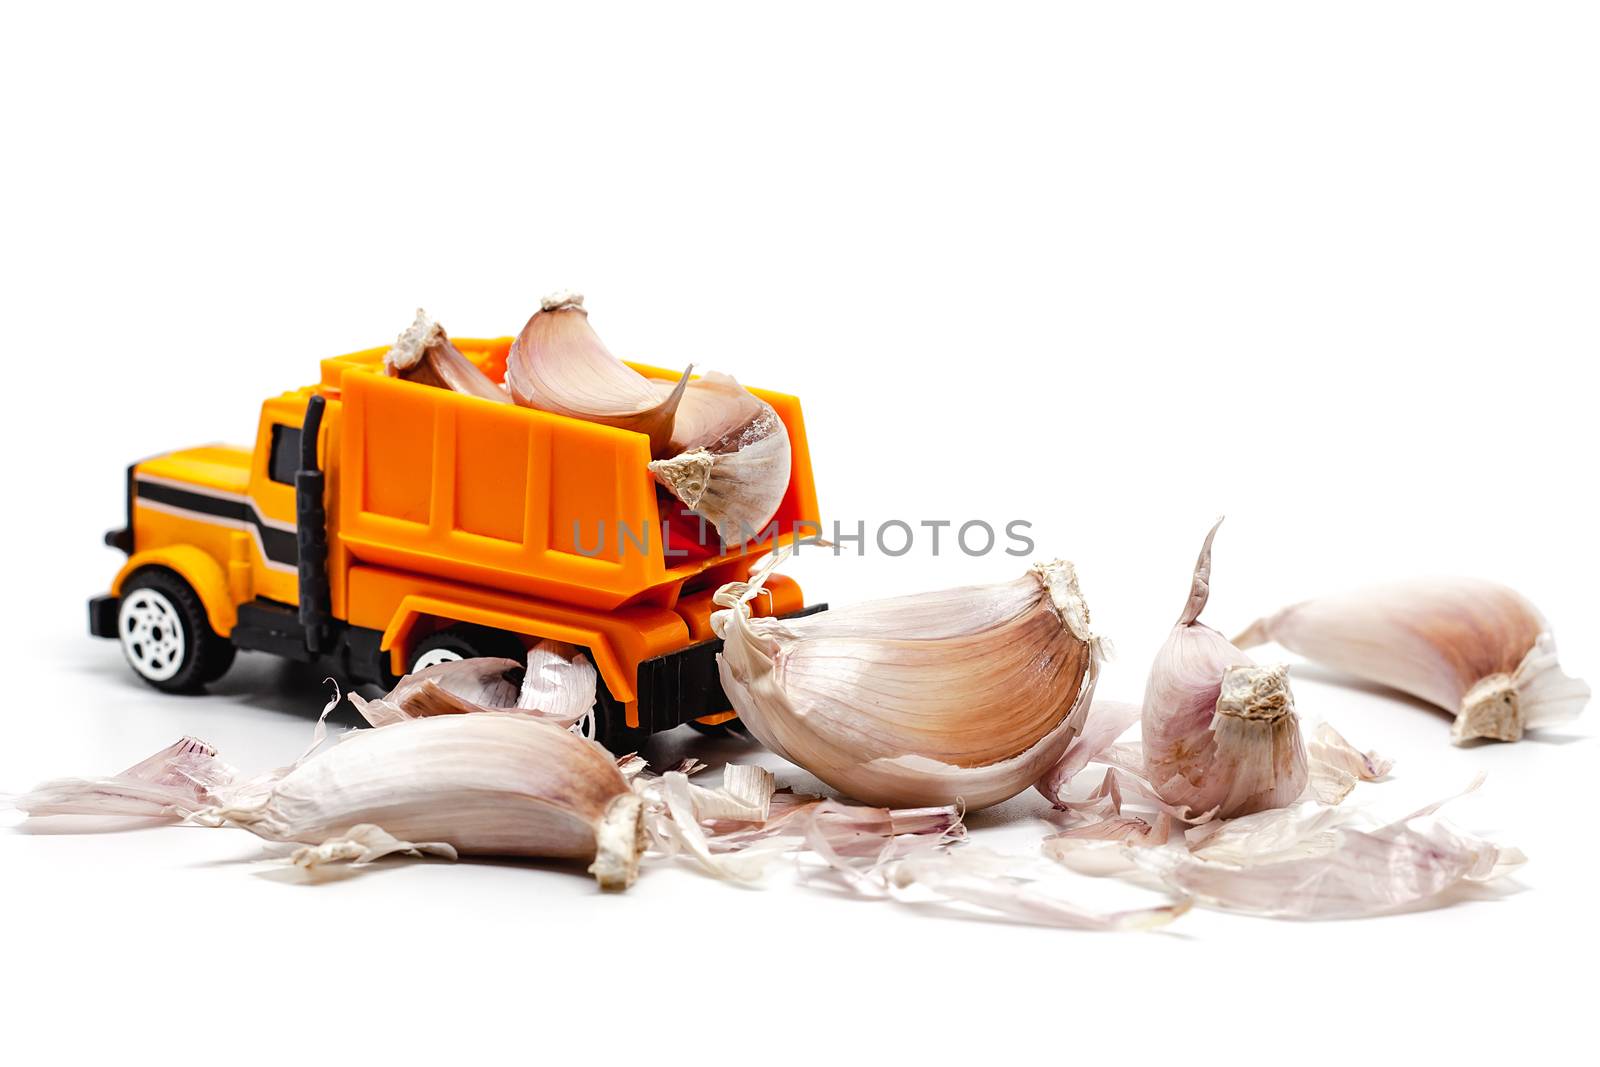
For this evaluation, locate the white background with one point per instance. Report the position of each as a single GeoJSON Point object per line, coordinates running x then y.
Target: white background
{"type": "Point", "coordinates": [1114, 269]}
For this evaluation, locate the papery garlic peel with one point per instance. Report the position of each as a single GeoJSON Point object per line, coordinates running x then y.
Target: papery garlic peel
{"type": "Point", "coordinates": [1475, 648]}
{"type": "Point", "coordinates": [423, 353]}
{"type": "Point", "coordinates": [556, 684]}
{"type": "Point", "coordinates": [486, 784]}
{"type": "Point", "coordinates": [966, 695]}
{"type": "Point", "coordinates": [1220, 734]}
{"type": "Point", "coordinates": [558, 364]}
{"type": "Point", "coordinates": [731, 457]}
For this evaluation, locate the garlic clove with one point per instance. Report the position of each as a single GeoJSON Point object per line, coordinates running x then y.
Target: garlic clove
{"type": "Point", "coordinates": [715, 413]}
{"type": "Point", "coordinates": [1219, 733]}
{"type": "Point", "coordinates": [557, 684]}
{"type": "Point", "coordinates": [423, 353]}
{"type": "Point", "coordinates": [559, 364]}
{"type": "Point", "coordinates": [966, 695]}
{"type": "Point", "coordinates": [487, 784]}
{"type": "Point", "coordinates": [731, 458]}
{"type": "Point", "coordinates": [1475, 648]}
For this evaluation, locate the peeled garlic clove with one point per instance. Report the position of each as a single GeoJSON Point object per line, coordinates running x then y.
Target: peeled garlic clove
{"type": "Point", "coordinates": [965, 695]}
{"type": "Point", "coordinates": [1474, 648]}
{"type": "Point", "coordinates": [424, 354]}
{"type": "Point", "coordinates": [731, 458]}
{"type": "Point", "coordinates": [557, 685]}
{"type": "Point", "coordinates": [559, 364]}
{"type": "Point", "coordinates": [1220, 734]}
{"type": "Point", "coordinates": [484, 784]}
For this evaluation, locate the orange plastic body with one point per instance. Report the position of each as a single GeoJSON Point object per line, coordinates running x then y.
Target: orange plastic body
{"type": "Point", "coordinates": [444, 508]}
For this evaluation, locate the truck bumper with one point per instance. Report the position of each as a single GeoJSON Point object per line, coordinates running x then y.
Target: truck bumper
{"type": "Point", "coordinates": [683, 686]}
{"type": "Point", "coordinates": [103, 615]}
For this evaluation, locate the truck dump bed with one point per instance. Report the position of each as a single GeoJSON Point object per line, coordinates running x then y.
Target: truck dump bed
{"type": "Point", "coordinates": [516, 499]}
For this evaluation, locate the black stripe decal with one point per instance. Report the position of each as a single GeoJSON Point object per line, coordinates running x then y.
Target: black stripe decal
{"type": "Point", "coordinates": [280, 545]}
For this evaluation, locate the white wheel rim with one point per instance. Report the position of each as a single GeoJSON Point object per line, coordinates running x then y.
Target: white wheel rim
{"type": "Point", "coordinates": [433, 657]}
{"type": "Point", "coordinates": [152, 634]}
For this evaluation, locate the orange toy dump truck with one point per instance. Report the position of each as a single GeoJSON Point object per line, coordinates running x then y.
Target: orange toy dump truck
{"type": "Point", "coordinates": [390, 525]}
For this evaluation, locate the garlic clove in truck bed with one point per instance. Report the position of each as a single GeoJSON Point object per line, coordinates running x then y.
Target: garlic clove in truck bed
{"type": "Point", "coordinates": [731, 457]}
{"type": "Point", "coordinates": [424, 354]}
{"type": "Point", "coordinates": [558, 364]}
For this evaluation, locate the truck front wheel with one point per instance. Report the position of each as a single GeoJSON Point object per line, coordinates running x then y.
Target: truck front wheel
{"type": "Point", "coordinates": [165, 635]}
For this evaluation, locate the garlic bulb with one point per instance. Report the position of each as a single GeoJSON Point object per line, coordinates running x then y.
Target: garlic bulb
{"type": "Point", "coordinates": [424, 354]}
{"type": "Point", "coordinates": [558, 364]}
{"type": "Point", "coordinates": [1474, 648]}
{"type": "Point", "coordinates": [480, 784]}
{"type": "Point", "coordinates": [967, 695]}
{"type": "Point", "coordinates": [557, 685]}
{"type": "Point", "coordinates": [1220, 734]}
{"type": "Point", "coordinates": [730, 459]}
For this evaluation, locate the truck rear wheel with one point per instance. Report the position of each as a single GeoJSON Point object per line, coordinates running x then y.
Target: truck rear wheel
{"type": "Point", "coordinates": [165, 635]}
{"type": "Point", "coordinates": [465, 642]}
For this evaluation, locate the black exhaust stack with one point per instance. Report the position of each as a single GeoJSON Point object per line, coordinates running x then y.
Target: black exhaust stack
{"type": "Point", "coordinates": [311, 534]}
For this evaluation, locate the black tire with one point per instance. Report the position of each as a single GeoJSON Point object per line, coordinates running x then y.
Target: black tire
{"type": "Point", "coordinates": [610, 719]}
{"type": "Point", "coordinates": [469, 642]}
{"type": "Point", "coordinates": [153, 600]}
{"type": "Point", "coordinates": [731, 728]}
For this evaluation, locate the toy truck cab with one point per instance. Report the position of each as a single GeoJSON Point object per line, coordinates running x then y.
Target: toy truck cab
{"type": "Point", "coordinates": [391, 525]}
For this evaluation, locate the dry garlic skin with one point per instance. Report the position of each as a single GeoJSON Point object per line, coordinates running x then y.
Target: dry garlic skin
{"type": "Point", "coordinates": [484, 783]}
{"type": "Point", "coordinates": [557, 683]}
{"type": "Point", "coordinates": [1472, 647]}
{"type": "Point", "coordinates": [966, 695]}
